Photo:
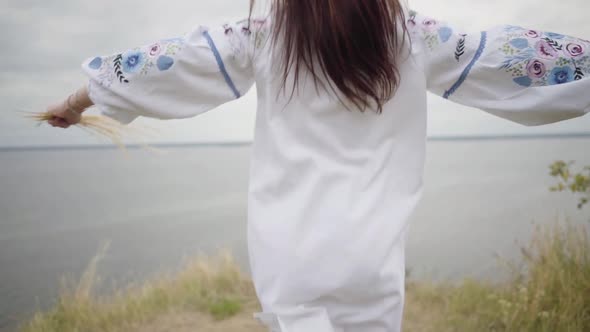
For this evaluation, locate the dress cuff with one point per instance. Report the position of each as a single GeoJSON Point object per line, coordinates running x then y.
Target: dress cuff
{"type": "Point", "coordinates": [98, 94]}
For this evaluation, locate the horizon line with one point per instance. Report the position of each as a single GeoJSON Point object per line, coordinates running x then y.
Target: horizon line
{"type": "Point", "coordinates": [133, 146]}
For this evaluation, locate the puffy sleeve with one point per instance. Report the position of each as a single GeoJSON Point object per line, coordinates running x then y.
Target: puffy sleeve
{"type": "Point", "coordinates": [526, 76]}
{"type": "Point", "coordinates": [175, 78]}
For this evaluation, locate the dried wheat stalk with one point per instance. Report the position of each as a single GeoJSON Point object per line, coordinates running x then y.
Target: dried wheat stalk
{"type": "Point", "coordinates": [97, 125]}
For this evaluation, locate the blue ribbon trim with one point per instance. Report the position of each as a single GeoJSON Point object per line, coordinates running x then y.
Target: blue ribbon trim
{"type": "Point", "coordinates": [463, 77]}
{"type": "Point", "coordinates": [221, 65]}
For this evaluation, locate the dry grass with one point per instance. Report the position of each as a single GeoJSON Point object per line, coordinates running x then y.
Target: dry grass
{"type": "Point", "coordinates": [102, 127]}
{"type": "Point", "coordinates": [94, 124]}
{"type": "Point", "coordinates": [550, 292]}
{"type": "Point", "coordinates": [212, 286]}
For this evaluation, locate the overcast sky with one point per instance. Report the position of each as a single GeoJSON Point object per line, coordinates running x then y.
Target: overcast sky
{"type": "Point", "coordinates": [44, 43]}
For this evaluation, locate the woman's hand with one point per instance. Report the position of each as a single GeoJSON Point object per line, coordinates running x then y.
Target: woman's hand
{"type": "Point", "coordinates": [63, 116]}
{"type": "Point", "coordinates": [69, 112]}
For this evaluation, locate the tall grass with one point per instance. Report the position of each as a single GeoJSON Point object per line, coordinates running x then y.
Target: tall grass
{"type": "Point", "coordinates": [550, 291]}
{"type": "Point", "coordinates": [210, 285]}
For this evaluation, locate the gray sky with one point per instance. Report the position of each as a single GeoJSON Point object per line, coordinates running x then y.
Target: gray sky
{"type": "Point", "coordinates": [44, 43]}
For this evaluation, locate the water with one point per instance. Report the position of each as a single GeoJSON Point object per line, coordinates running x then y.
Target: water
{"type": "Point", "coordinates": [57, 207]}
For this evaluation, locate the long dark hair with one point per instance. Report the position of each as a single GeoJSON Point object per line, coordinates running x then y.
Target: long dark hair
{"type": "Point", "coordinates": [354, 43]}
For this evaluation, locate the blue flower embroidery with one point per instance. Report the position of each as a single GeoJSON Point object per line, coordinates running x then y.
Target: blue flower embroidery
{"type": "Point", "coordinates": [560, 75]}
{"type": "Point", "coordinates": [445, 34]}
{"type": "Point", "coordinates": [133, 61]}
{"type": "Point", "coordinates": [164, 62]}
{"type": "Point", "coordinates": [433, 32]}
{"type": "Point", "coordinates": [96, 63]}
{"type": "Point", "coordinates": [535, 58]}
{"type": "Point", "coordinates": [554, 35]}
{"type": "Point", "coordinates": [523, 81]}
{"type": "Point", "coordinates": [520, 43]}
{"type": "Point", "coordinates": [125, 67]}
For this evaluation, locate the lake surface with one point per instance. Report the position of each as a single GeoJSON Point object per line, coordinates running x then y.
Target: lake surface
{"type": "Point", "coordinates": [57, 207]}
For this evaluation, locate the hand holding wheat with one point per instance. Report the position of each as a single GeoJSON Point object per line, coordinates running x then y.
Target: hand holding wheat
{"type": "Point", "coordinates": [68, 112]}
{"type": "Point", "coordinates": [61, 116]}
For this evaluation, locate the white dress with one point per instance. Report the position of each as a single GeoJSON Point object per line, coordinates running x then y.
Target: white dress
{"type": "Point", "coordinates": [331, 190]}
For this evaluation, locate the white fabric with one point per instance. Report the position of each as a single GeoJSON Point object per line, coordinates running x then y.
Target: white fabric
{"type": "Point", "coordinates": [297, 319]}
{"type": "Point", "coordinates": [331, 190]}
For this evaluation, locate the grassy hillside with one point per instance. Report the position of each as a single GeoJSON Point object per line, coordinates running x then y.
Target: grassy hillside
{"type": "Point", "coordinates": [550, 292]}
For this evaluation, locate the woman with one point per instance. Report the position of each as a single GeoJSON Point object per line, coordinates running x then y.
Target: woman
{"type": "Point", "coordinates": [340, 136]}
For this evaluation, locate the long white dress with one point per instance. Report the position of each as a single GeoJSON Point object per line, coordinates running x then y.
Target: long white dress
{"type": "Point", "coordinates": [331, 190]}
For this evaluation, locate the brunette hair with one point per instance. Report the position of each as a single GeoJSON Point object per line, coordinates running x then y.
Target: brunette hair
{"type": "Point", "coordinates": [355, 44]}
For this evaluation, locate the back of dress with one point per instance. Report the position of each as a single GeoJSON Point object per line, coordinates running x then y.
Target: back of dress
{"type": "Point", "coordinates": [331, 188]}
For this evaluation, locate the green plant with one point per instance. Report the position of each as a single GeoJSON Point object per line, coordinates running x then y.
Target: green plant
{"type": "Point", "coordinates": [225, 308]}
{"type": "Point", "coordinates": [576, 182]}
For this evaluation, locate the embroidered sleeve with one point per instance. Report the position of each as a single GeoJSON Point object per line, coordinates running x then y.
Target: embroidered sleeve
{"type": "Point", "coordinates": [527, 76]}
{"type": "Point", "coordinates": [178, 77]}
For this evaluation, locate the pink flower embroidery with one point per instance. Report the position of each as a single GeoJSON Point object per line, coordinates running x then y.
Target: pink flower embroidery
{"type": "Point", "coordinates": [575, 49]}
{"type": "Point", "coordinates": [155, 49]}
{"type": "Point", "coordinates": [536, 69]}
{"type": "Point", "coordinates": [430, 24]}
{"type": "Point", "coordinates": [228, 29]}
{"type": "Point", "coordinates": [545, 51]}
{"type": "Point", "coordinates": [532, 34]}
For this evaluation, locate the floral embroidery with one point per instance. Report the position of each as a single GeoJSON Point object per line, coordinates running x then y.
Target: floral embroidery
{"type": "Point", "coordinates": [164, 62]}
{"type": "Point", "coordinates": [434, 33]}
{"type": "Point", "coordinates": [483, 41]}
{"type": "Point", "coordinates": [137, 61]}
{"type": "Point", "coordinates": [575, 49]}
{"type": "Point", "coordinates": [133, 61]}
{"type": "Point", "coordinates": [545, 50]}
{"type": "Point", "coordinates": [554, 35]}
{"type": "Point", "coordinates": [560, 75]}
{"type": "Point", "coordinates": [235, 41]}
{"type": "Point", "coordinates": [536, 69]}
{"type": "Point", "coordinates": [256, 32]}
{"type": "Point", "coordinates": [117, 66]}
{"type": "Point", "coordinates": [535, 58]}
{"type": "Point", "coordinates": [460, 49]}
{"type": "Point", "coordinates": [96, 63]}
{"type": "Point", "coordinates": [228, 29]}
{"type": "Point", "coordinates": [155, 50]}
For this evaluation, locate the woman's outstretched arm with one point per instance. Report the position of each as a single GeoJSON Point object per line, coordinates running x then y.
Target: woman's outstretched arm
{"type": "Point", "coordinates": [528, 76]}
{"type": "Point", "coordinates": [168, 79]}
